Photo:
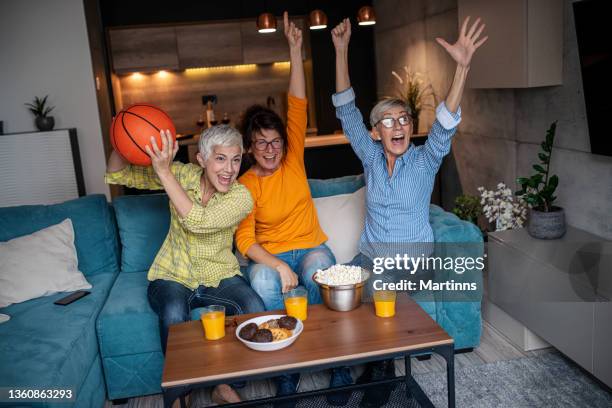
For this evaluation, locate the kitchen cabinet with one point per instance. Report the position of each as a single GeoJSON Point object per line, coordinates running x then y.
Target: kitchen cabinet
{"type": "Point", "coordinates": [209, 45]}
{"type": "Point", "coordinates": [143, 49]}
{"type": "Point", "coordinates": [525, 46]}
{"type": "Point", "coordinates": [260, 48]}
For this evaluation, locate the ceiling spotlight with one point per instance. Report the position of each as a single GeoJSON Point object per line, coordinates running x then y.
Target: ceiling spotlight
{"type": "Point", "coordinates": [366, 16]}
{"type": "Point", "coordinates": [266, 23]}
{"type": "Point", "coordinates": [318, 20]}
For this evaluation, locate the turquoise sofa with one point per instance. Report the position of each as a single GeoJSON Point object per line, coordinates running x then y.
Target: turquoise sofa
{"type": "Point", "coordinates": [45, 346]}
{"type": "Point", "coordinates": [128, 329]}
{"type": "Point", "coordinates": [111, 338]}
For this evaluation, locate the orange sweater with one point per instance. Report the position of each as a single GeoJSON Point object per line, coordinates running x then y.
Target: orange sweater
{"type": "Point", "coordinates": [284, 216]}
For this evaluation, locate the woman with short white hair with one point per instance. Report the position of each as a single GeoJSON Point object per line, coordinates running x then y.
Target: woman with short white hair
{"type": "Point", "coordinates": [195, 266]}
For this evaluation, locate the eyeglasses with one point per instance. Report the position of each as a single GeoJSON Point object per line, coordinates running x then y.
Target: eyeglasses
{"type": "Point", "coordinates": [389, 123]}
{"type": "Point", "coordinates": [262, 145]}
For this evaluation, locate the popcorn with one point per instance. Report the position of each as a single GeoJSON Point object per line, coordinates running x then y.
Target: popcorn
{"type": "Point", "coordinates": [340, 275]}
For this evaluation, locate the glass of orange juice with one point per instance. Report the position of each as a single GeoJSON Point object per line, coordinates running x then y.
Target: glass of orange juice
{"type": "Point", "coordinates": [213, 320]}
{"type": "Point", "coordinates": [296, 303]}
{"type": "Point", "coordinates": [384, 303]}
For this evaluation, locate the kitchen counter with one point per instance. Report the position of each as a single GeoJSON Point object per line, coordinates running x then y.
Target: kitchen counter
{"type": "Point", "coordinates": [311, 141]}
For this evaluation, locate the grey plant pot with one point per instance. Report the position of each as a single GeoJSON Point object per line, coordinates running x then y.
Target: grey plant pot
{"type": "Point", "coordinates": [546, 225]}
{"type": "Point", "coordinates": [44, 123]}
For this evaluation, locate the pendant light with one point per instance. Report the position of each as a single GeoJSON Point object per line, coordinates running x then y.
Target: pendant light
{"type": "Point", "coordinates": [317, 20]}
{"type": "Point", "coordinates": [266, 23]}
{"type": "Point", "coordinates": [366, 16]}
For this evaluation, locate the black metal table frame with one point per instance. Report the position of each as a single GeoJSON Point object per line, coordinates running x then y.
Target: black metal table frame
{"type": "Point", "coordinates": [413, 389]}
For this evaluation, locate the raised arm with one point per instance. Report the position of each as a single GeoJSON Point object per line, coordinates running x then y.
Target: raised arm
{"type": "Point", "coordinates": [341, 36]}
{"type": "Point", "coordinates": [162, 162]}
{"type": "Point", "coordinates": [297, 83]}
{"type": "Point", "coordinates": [344, 99]}
{"type": "Point", "coordinates": [462, 52]}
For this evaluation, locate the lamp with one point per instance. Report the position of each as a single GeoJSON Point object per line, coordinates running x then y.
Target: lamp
{"type": "Point", "coordinates": [317, 20]}
{"type": "Point", "coordinates": [366, 16]}
{"type": "Point", "coordinates": [266, 23]}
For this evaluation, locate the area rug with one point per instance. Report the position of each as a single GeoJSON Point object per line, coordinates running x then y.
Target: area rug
{"type": "Point", "coordinates": [546, 381]}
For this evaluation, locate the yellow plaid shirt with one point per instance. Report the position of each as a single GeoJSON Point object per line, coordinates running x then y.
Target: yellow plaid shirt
{"type": "Point", "coordinates": [198, 248]}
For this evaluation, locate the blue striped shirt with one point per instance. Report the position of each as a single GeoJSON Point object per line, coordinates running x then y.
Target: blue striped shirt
{"type": "Point", "coordinates": [397, 206]}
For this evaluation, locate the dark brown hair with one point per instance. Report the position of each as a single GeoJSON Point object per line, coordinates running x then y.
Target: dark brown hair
{"type": "Point", "coordinates": [255, 119]}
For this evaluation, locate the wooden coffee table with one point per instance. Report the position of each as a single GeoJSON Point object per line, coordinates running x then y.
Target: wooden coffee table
{"type": "Point", "coordinates": [330, 339]}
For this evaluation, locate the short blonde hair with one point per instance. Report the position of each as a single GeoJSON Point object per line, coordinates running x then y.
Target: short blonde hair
{"type": "Point", "coordinates": [376, 115]}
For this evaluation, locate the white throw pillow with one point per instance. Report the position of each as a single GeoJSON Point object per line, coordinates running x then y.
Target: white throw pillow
{"type": "Point", "coordinates": [342, 218]}
{"type": "Point", "coordinates": [40, 264]}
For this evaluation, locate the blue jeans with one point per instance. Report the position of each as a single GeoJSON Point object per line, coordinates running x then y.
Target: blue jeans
{"type": "Point", "coordinates": [173, 302]}
{"type": "Point", "coordinates": [304, 262]}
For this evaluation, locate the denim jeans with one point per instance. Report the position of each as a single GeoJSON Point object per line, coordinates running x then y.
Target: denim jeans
{"type": "Point", "coordinates": [173, 302]}
{"type": "Point", "coordinates": [304, 262]}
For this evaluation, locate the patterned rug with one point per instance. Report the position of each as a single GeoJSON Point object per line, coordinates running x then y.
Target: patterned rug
{"type": "Point", "coordinates": [546, 381]}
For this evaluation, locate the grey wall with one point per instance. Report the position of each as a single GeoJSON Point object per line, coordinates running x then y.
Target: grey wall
{"type": "Point", "coordinates": [45, 50]}
{"type": "Point", "coordinates": [499, 136]}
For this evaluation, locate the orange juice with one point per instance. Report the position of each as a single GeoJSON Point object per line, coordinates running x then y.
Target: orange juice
{"type": "Point", "coordinates": [384, 303]}
{"type": "Point", "coordinates": [214, 325]}
{"type": "Point", "coordinates": [297, 307]}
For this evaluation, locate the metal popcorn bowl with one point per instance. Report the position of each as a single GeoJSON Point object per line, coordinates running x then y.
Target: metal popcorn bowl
{"type": "Point", "coordinates": [342, 298]}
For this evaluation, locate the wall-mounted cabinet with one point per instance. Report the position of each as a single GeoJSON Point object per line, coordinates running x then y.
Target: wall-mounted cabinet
{"type": "Point", "coordinates": [196, 45]}
{"type": "Point", "coordinates": [260, 48]}
{"type": "Point", "coordinates": [143, 49]}
{"type": "Point", "coordinates": [207, 45]}
{"type": "Point", "coordinates": [525, 46]}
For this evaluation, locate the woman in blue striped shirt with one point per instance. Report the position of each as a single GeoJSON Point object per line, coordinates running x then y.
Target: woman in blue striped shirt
{"type": "Point", "coordinates": [399, 176]}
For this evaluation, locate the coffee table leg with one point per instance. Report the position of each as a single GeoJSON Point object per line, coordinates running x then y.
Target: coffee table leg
{"type": "Point", "coordinates": [171, 394]}
{"type": "Point", "coordinates": [448, 352]}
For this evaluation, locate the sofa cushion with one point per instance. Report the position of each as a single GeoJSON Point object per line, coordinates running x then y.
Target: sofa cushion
{"type": "Point", "coordinates": [48, 346]}
{"type": "Point", "coordinates": [342, 218]}
{"type": "Point", "coordinates": [127, 324]}
{"type": "Point", "coordinates": [21, 276]}
{"type": "Point", "coordinates": [335, 186]}
{"type": "Point", "coordinates": [94, 228]}
{"type": "Point", "coordinates": [143, 223]}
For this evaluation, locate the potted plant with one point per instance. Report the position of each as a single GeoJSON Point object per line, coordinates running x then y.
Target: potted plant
{"type": "Point", "coordinates": [415, 93]}
{"type": "Point", "coordinates": [468, 208]}
{"type": "Point", "coordinates": [41, 111]}
{"type": "Point", "coordinates": [546, 221]}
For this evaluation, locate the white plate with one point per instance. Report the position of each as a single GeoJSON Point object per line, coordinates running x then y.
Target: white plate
{"type": "Point", "coordinates": [274, 345]}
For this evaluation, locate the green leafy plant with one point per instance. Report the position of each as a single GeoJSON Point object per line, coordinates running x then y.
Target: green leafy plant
{"type": "Point", "coordinates": [415, 92]}
{"type": "Point", "coordinates": [468, 207]}
{"type": "Point", "coordinates": [539, 189]}
{"type": "Point", "coordinates": [39, 107]}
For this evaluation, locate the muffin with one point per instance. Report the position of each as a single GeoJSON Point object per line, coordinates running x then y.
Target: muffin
{"type": "Point", "coordinates": [248, 331]}
{"type": "Point", "coordinates": [262, 336]}
{"type": "Point", "coordinates": [287, 322]}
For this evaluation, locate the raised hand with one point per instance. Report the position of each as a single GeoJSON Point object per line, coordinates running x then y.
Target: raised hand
{"type": "Point", "coordinates": [292, 33]}
{"type": "Point", "coordinates": [341, 34]}
{"type": "Point", "coordinates": [466, 44]}
{"type": "Point", "coordinates": [161, 159]}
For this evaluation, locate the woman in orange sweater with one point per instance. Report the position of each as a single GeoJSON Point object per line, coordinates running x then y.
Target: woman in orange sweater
{"type": "Point", "coordinates": [282, 237]}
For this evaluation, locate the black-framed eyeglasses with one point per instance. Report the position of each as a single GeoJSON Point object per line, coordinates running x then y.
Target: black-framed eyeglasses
{"type": "Point", "coordinates": [389, 123]}
{"type": "Point", "coordinates": [262, 145]}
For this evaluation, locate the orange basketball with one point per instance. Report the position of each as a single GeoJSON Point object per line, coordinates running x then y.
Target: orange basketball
{"type": "Point", "coordinates": [132, 129]}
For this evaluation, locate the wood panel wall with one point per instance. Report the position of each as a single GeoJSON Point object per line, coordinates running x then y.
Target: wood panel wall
{"type": "Point", "coordinates": [180, 93]}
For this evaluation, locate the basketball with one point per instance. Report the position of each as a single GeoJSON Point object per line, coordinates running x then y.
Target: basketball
{"type": "Point", "coordinates": [132, 129]}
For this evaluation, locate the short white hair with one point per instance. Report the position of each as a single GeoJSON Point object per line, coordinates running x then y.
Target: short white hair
{"type": "Point", "coordinates": [376, 115]}
{"type": "Point", "coordinates": [219, 135]}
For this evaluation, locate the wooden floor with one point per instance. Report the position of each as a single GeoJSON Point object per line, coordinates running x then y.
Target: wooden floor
{"type": "Point", "coordinates": [493, 347]}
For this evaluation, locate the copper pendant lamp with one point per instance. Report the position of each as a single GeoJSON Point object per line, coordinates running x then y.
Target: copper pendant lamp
{"type": "Point", "coordinates": [317, 20]}
{"type": "Point", "coordinates": [266, 23]}
{"type": "Point", "coordinates": [366, 16]}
